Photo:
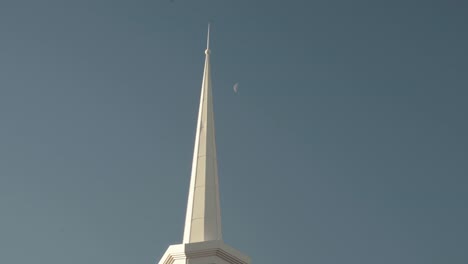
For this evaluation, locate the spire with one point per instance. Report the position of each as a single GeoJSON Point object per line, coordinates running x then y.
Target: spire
{"type": "Point", "coordinates": [202, 235]}
{"type": "Point", "coordinates": [203, 219]}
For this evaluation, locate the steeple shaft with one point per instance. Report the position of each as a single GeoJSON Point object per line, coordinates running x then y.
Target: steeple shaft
{"type": "Point", "coordinates": [202, 234]}
{"type": "Point", "coordinates": [203, 219]}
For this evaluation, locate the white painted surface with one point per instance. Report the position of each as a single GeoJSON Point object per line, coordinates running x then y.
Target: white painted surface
{"type": "Point", "coordinates": [203, 219]}
{"type": "Point", "coordinates": [202, 243]}
{"type": "Point", "coordinates": [208, 252]}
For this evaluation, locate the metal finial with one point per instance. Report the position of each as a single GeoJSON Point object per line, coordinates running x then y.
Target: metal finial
{"type": "Point", "coordinates": [208, 37]}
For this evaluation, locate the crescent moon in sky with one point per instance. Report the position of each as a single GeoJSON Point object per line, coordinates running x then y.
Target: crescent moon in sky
{"type": "Point", "coordinates": [235, 87]}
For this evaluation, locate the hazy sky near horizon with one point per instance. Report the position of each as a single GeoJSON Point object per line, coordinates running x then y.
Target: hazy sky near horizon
{"type": "Point", "coordinates": [346, 142]}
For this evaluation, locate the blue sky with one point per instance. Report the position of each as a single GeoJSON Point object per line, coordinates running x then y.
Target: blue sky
{"type": "Point", "coordinates": [345, 144]}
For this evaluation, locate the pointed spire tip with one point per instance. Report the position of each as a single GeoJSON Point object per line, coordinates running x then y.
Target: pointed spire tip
{"type": "Point", "coordinates": [208, 39]}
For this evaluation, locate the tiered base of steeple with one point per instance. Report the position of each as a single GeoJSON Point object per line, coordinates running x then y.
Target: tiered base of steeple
{"type": "Point", "coordinates": [208, 252]}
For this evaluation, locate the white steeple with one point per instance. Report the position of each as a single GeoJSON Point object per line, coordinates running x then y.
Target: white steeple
{"type": "Point", "coordinates": [202, 243]}
{"type": "Point", "coordinates": [203, 219]}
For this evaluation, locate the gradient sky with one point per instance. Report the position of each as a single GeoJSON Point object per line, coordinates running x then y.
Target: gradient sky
{"type": "Point", "coordinates": [347, 141]}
